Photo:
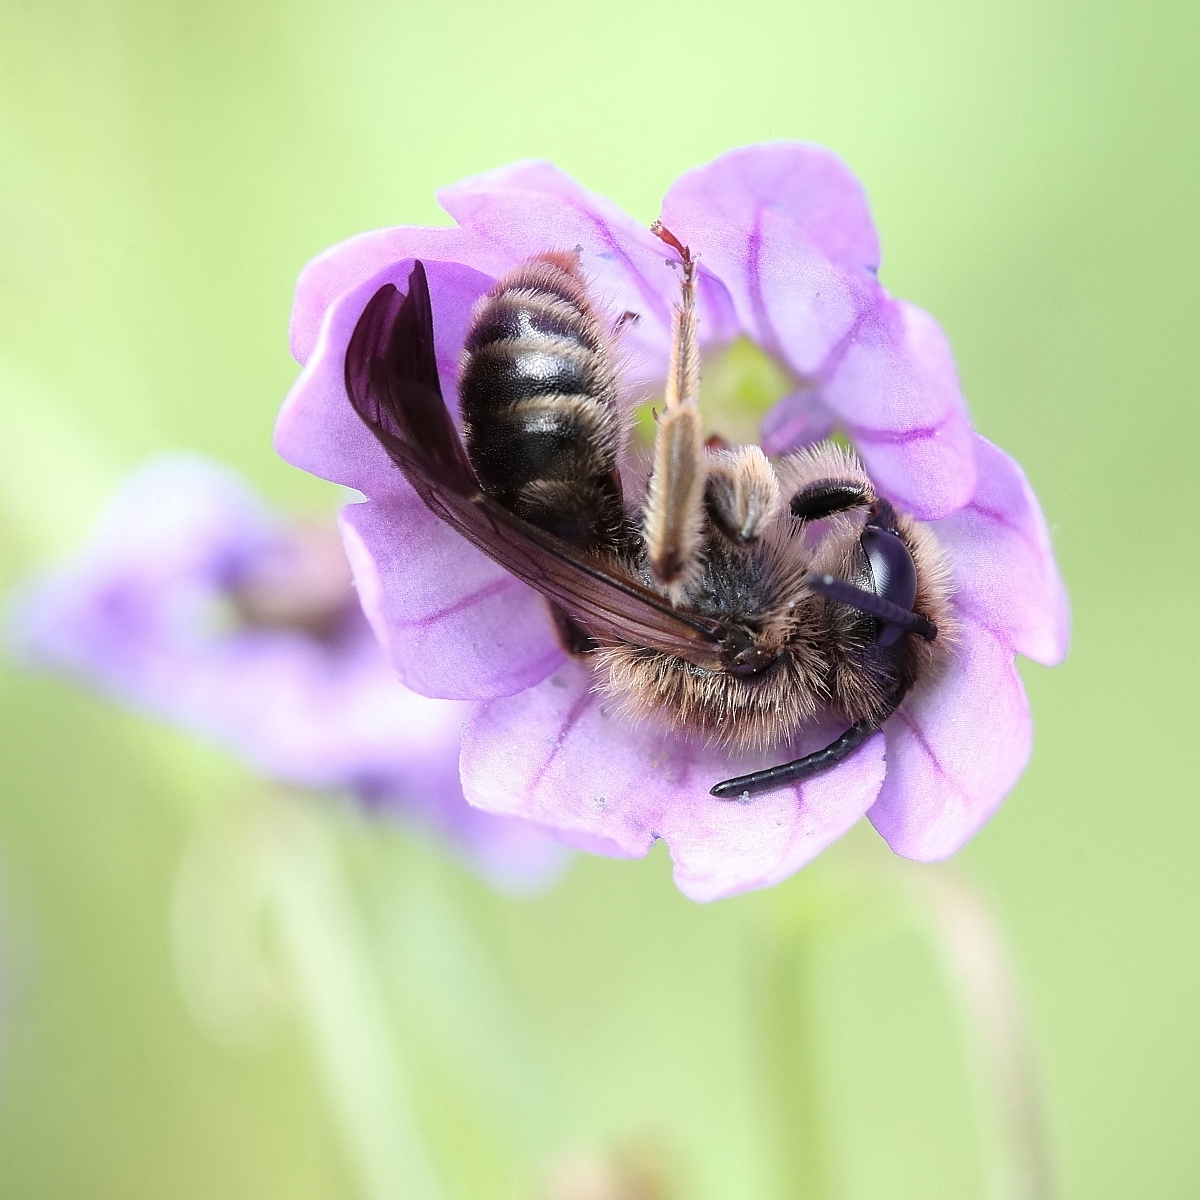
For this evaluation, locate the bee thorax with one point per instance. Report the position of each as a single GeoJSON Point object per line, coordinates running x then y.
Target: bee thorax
{"type": "Point", "coordinates": [754, 706]}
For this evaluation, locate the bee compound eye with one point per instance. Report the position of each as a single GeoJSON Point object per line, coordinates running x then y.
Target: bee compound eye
{"type": "Point", "coordinates": [893, 574]}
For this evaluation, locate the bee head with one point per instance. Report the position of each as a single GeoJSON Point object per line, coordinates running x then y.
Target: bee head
{"type": "Point", "coordinates": [889, 588]}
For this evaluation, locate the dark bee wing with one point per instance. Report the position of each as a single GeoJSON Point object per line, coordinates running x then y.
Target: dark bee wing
{"type": "Point", "coordinates": [392, 382]}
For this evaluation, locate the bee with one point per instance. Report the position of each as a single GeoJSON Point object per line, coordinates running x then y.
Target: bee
{"type": "Point", "coordinates": [733, 600]}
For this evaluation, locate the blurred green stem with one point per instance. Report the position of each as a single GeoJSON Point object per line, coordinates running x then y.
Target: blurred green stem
{"type": "Point", "coordinates": [957, 924]}
{"type": "Point", "coordinates": [435, 960]}
{"type": "Point", "coordinates": [788, 1037]}
{"type": "Point", "coordinates": [978, 973]}
{"type": "Point", "coordinates": [347, 1014]}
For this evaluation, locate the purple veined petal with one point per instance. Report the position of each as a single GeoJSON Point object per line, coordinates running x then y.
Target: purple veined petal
{"type": "Point", "coordinates": [304, 715]}
{"type": "Point", "coordinates": [531, 207]}
{"type": "Point", "coordinates": [954, 749]}
{"type": "Point", "coordinates": [790, 299]}
{"type": "Point", "coordinates": [118, 610]}
{"type": "Point", "coordinates": [352, 262]}
{"type": "Point", "coordinates": [808, 185]}
{"type": "Point", "coordinates": [797, 420]}
{"type": "Point", "coordinates": [514, 856]}
{"type": "Point", "coordinates": [555, 756]}
{"type": "Point", "coordinates": [1004, 573]}
{"type": "Point", "coordinates": [895, 389]}
{"type": "Point", "coordinates": [786, 228]}
{"type": "Point", "coordinates": [317, 428]}
{"type": "Point", "coordinates": [453, 622]}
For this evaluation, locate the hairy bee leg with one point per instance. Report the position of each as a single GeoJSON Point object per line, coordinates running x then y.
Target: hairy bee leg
{"type": "Point", "coordinates": [741, 492]}
{"type": "Point", "coordinates": [754, 784]}
{"type": "Point", "coordinates": [674, 521]}
{"type": "Point", "coordinates": [827, 497]}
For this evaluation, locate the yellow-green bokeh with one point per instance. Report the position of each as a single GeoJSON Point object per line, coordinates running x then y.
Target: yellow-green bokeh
{"type": "Point", "coordinates": [166, 169]}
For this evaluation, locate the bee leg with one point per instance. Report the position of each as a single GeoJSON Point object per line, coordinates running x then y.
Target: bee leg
{"type": "Point", "coordinates": [745, 786]}
{"type": "Point", "coordinates": [673, 524]}
{"type": "Point", "coordinates": [741, 493]}
{"type": "Point", "coordinates": [674, 521]}
{"type": "Point", "coordinates": [826, 497]}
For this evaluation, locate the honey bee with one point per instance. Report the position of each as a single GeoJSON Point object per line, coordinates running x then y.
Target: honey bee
{"type": "Point", "coordinates": [735, 600]}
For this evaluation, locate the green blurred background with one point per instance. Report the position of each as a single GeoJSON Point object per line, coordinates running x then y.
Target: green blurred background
{"type": "Point", "coordinates": [166, 169]}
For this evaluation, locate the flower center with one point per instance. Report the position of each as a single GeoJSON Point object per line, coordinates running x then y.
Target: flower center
{"type": "Point", "coordinates": [740, 383]}
{"type": "Point", "coordinates": [301, 582]}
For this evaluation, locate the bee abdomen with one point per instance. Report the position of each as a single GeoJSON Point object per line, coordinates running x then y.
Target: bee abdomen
{"type": "Point", "coordinates": [539, 403]}
{"type": "Point", "coordinates": [544, 437]}
{"type": "Point", "coordinates": [504, 372]}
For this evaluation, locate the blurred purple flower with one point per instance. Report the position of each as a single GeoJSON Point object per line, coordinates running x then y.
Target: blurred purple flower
{"type": "Point", "coordinates": [788, 258]}
{"type": "Point", "coordinates": [194, 604]}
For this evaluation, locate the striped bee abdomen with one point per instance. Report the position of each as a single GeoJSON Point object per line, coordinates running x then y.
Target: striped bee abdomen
{"type": "Point", "coordinates": [539, 403]}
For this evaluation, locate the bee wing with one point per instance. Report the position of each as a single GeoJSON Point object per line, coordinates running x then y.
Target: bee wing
{"type": "Point", "coordinates": [392, 382]}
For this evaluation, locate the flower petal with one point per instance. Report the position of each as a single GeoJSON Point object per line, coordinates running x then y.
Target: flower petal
{"type": "Point", "coordinates": [138, 590]}
{"type": "Point", "coordinates": [896, 391]}
{"type": "Point", "coordinates": [556, 756]}
{"type": "Point", "coordinates": [352, 262]}
{"type": "Point", "coordinates": [136, 615]}
{"type": "Point", "coordinates": [954, 749]}
{"type": "Point", "coordinates": [531, 207]}
{"type": "Point", "coordinates": [1005, 577]}
{"type": "Point", "coordinates": [808, 184]}
{"type": "Point", "coordinates": [304, 715]}
{"type": "Point", "coordinates": [797, 420]}
{"type": "Point", "coordinates": [453, 622]}
{"type": "Point", "coordinates": [317, 428]}
{"type": "Point", "coordinates": [785, 227]}
{"type": "Point", "coordinates": [746, 216]}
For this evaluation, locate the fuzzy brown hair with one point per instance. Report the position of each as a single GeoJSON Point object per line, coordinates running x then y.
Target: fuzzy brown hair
{"type": "Point", "coordinates": [826, 658]}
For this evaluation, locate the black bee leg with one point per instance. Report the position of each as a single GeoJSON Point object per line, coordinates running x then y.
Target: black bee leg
{"type": "Point", "coordinates": [825, 497]}
{"type": "Point", "coordinates": [745, 786]}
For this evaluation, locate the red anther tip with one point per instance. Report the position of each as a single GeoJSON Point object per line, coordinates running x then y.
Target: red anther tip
{"type": "Point", "coordinates": [663, 234]}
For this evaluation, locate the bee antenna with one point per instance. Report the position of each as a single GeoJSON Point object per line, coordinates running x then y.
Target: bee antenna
{"type": "Point", "coordinates": [840, 749]}
{"type": "Point", "coordinates": [871, 604]}
{"type": "Point", "coordinates": [745, 786]}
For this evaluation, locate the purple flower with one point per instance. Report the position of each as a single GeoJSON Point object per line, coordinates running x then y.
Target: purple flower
{"type": "Point", "coordinates": [194, 604]}
{"type": "Point", "coordinates": [788, 258]}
